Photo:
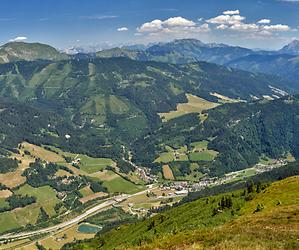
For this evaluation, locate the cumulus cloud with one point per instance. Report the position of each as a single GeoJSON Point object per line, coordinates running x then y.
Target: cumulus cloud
{"type": "Point", "coordinates": [152, 26]}
{"type": "Point", "coordinates": [264, 21]}
{"type": "Point", "coordinates": [178, 22]}
{"type": "Point", "coordinates": [277, 27]}
{"type": "Point", "coordinates": [231, 12]}
{"type": "Point", "coordinates": [244, 27]}
{"type": "Point", "coordinates": [19, 39]}
{"type": "Point", "coordinates": [122, 29]}
{"type": "Point", "coordinates": [172, 25]}
{"type": "Point", "coordinates": [226, 19]}
{"type": "Point", "coordinates": [221, 27]}
{"type": "Point", "coordinates": [231, 20]}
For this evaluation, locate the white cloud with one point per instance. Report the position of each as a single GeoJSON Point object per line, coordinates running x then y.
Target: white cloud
{"type": "Point", "coordinates": [172, 25]}
{"type": "Point", "coordinates": [122, 29]}
{"type": "Point", "coordinates": [276, 27]}
{"type": "Point", "coordinates": [178, 22]}
{"type": "Point", "coordinates": [231, 12]}
{"type": "Point", "coordinates": [244, 27]}
{"type": "Point", "coordinates": [19, 39]}
{"type": "Point", "coordinates": [232, 21]}
{"type": "Point", "coordinates": [152, 26]}
{"type": "Point", "coordinates": [226, 19]}
{"type": "Point", "coordinates": [222, 27]}
{"type": "Point", "coordinates": [264, 21]}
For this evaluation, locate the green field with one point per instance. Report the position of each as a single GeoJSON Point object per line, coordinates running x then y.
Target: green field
{"type": "Point", "coordinates": [117, 106]}
{"type": "Point", "coordinates": [86, 191]}
{"type": "Point", "coordinates": [91, 165]}
{"type": "Point", "coordinates": [165, 157]}
{"type": "Point", "coordinates": [3, 203]}
{"type": "Point", "coordinates": [119, 184]}
{"type": "Point", "coordinates": [202, 156]}
{"type": "Point", "coordinates": [200, 145]}
{"type": "Point", "coordinates": [45, 197]}
{"type": "Point", "coordinates": [87, 164]}
{"type": "Point", "coordinates": [8, 221]}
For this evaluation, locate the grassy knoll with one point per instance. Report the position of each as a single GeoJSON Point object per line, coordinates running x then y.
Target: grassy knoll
{"type": "Point", "coordinates": [165, 157]}
{"type": "Point", "coordinates": [5, 193]}
{"type": "Point", "coordinates": [115, 183]}
{"type": "Point", "coordinates": [195, 104]}
{"type": "Point", "coordinates": [200, 145]}
{"type": "Point", "coordinates": [117, 106]}
{"type": "Point", "coordinates": [40, 152]}
{"type": "Point", "coordinates": [167, 173]}
{"type": "Point", "coordinates": [200, 152]}
{"type": "Point", "coordinates": [3, 203]}
{"type": "Point", "coordinates": [202, 156]}
{"type": "Point", "coordinates": [88, 165]}
{"type": "Point", "coordinates": [45, 197]}
{"type": "Point", "coordinates": [14, 179]}
{"type": "Point", "coordinates": [85, 191]}
{"type": "Point", "coordinates": [91, 165]}
{"type": "Point", "coordinates": [202, 224]}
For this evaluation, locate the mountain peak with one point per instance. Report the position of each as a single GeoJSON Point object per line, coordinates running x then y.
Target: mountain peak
{"type": "Point", "coordinates": [23, 51]}
{"type": "Point", "coordinates": [291, 48]}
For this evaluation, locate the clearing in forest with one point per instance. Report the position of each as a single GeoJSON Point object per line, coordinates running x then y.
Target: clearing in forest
{"type": "Point", "coordinates": [195, 104]}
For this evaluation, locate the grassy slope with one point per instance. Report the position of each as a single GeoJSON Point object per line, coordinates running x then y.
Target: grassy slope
{"type": "Point", "coordinates": [195, 104]}
{"type": "Point", "coordinates": [192, 226]}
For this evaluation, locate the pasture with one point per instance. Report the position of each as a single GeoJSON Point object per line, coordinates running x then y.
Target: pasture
{"type": "Point", "coordinates": [115, 183]}
{"type": "Point", "coordinates": [45, 197]}
{"type": "Point", "coordinates": [40, 152]}
{"type": "Point", "coordinates": [208, 155]}
{"type": "Point", "coordinates": [195, 104]}
{"type": "Point", "coordinates": [91, 165]}
{"type": "Point", "coordinates": [165, 157]}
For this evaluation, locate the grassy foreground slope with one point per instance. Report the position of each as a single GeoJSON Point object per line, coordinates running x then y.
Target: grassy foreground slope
{"type": "Point", "coordinates": [257, 218]}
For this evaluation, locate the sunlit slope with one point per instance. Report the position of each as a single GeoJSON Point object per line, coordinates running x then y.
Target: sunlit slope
{"type": "Point", "coordinates": [261, 219]}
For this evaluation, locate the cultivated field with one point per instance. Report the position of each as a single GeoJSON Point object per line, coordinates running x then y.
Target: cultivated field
{"type": "Point", "coordinates": [167, 173]}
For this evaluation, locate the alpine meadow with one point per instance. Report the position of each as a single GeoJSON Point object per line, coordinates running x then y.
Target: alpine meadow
{"type": "Point", "coordinates": [130, 124]}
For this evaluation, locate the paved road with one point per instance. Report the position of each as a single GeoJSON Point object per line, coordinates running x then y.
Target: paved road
{"type": "Point", "coordinates": [109, 202]}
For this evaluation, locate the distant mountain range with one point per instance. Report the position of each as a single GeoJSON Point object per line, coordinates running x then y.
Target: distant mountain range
{"type": "Point", "coordinates": [283, 62]}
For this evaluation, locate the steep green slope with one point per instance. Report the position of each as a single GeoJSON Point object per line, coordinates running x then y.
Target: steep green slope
{"type": "Point", "coordinates": [118, 100]}
{"type": "Point", "coordinates": [20, 51]}
{"type": "Point", "coordinates": [19, 122]}
{"type": "Point", "coordinates": [264, 217]}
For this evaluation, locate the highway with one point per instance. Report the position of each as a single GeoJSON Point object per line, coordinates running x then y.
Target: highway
{"type": "Point", "coordinates": [109, 202]}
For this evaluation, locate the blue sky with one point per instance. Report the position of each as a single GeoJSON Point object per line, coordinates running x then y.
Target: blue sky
{"type": "Point", "coordinates": [66, 23]}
